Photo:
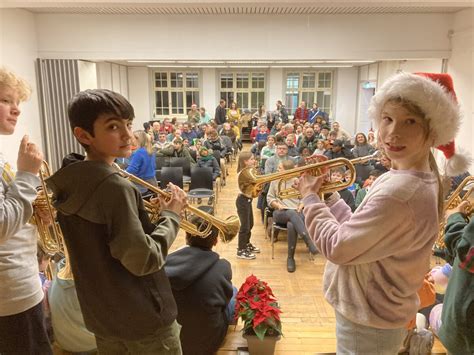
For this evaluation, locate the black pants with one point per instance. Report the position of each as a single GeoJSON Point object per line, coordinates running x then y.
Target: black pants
{"type": "Point", "coordinates": [244, 210]}
{"type": "Point", "coordinates": [24, 333]}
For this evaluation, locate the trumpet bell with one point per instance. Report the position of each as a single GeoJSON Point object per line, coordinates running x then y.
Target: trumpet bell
{"type": "Point", "coordinates": [229, 229]}
{"type": "Point", "coordinates": [247, 180]}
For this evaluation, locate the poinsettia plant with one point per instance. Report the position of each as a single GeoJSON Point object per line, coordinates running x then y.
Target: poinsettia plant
{"type": "Point", "coordinates": [257, 306]}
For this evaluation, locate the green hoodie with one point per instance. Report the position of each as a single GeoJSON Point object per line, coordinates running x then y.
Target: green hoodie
{"type": "Point", "coordinates": [117, 255]}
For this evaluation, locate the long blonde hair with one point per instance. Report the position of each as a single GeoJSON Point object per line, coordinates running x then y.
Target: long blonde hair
{"type": "Point", "coordinates": [144, 140]}
{"type": "Point", "coordinates": [415, 110]}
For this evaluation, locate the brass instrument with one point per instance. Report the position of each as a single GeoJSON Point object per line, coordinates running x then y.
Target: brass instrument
{"type": "Point", "coordinates": [50, 236]}
{"type": "Point", "coordinates": [453, 201]}
{"type": "Point", "coordinates": [228, 228]}
{"type": "Point", "coordinates": [252, 184]}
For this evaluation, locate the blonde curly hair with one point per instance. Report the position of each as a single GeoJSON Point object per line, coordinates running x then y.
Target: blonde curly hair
{"type": "Point", "coordinates": [11, 81]}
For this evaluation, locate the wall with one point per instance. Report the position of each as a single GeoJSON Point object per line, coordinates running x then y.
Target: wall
{"type": "Point", "coordinates": [113, 77]}
{"type": "Point", "coordinates": [18, 51]}
{"type": "Point", "coordinates": [140, 91]}
{"type": "Point", "coordinates": [345, 98]}
{"type": "Point", "coordinates": [378, 37]}
{"type": "Point", "coordinates": [461, 68]}
{"type": "Point", "coordinates": [87, 75]}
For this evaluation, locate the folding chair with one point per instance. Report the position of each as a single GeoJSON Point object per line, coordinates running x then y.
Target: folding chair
{"type": "Point", "coordinates": [173, 175]}
{"type": "Point", "coordinates": [201, 186]}
{"type": "Point", "coordinates": [185, 164]}
{"type": "Point", "coordinates": [274, 229]}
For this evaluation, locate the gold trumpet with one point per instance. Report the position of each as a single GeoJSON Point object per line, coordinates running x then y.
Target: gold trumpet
{"type": "Point", "coordinates": [453, 201]}
{"type": "Point", "coordinates": [228, 228]}
{"type": "Point", "coordinates": [252, 184]}
{"type": "Point", "coordinates": [50, 236]}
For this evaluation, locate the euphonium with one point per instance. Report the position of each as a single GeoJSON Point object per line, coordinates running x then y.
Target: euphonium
{"type": "Point", "coordinates": [50, 237]}
{"type": "Point", "coordinates": [454, 200]}
{"type": "Point", "coordinates": [251, 184]}
{"type": "Point", "coordinates": [228, 228]}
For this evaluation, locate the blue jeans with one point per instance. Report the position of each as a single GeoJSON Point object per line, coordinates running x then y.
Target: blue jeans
{"type": "Point", "coordinates": [357, 339]}
{"type": "Point", "coordinates": [230, 310]}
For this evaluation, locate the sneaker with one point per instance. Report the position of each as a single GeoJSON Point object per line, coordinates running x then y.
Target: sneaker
{"type": "Point", "coordinates": [245, 254]}
{"type": "Point", "coordinates": [252, 248]}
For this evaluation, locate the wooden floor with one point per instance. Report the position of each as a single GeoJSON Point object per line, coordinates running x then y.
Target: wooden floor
{"type": "Point", "coordinates": [308, 321]}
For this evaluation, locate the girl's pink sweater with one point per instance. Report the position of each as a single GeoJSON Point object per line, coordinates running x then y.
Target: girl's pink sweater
{"type": "Point", "coordinates": [378, 256]}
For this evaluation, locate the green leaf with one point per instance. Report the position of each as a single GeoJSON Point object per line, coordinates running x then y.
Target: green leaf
{"type": "Point", "coordinates": [260, 330]}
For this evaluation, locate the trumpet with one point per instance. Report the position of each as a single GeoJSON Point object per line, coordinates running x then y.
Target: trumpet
{"type": "Point", "coordinates": [227, 228]}
{"type": "Point", "coordinates": [50, 236]}
{"type": "Point", "coordinates": [252, 184]}
{"type": "Point", "coordinates": [454, 200]}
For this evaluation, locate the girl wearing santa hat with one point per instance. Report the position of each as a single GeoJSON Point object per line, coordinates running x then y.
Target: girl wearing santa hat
{"type": "Point", "coordinates": [378, 256]}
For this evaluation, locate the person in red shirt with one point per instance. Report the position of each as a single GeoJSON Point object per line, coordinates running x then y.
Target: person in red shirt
{"type": "Point", "coordinates": [301, 114]}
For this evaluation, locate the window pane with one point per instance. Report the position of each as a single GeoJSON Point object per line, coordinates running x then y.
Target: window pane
{"type": "Point", "coordinates": [192, 97]}
{"type": "Point", "coordinates": [177, 105]}
{"type": "Point", "coordinates": [176, 80]}
{"type": "Point", "coordinates": [243, 100]}
{"type": "Point", "coordinates": [242, 80]}
{"type": "Point", "coordinates": [228, 96]}
{"type": "Point", "coordinates": [161, 80]}
{"type": "Point", "coordinates": [291, 102]}
{"type": "Point", "coordinates": [192, 80]}
{"type": "Point", "coordinates": [309, 80]}
{"type": "Point", "coordinates": [292, 81]}
{"type": "Point", "coordinates": [227, 81]}
{"type": "Point", "coordinates": [324, 80]}
{"type": "Point", "coordinates": [258, 80]}
{"type": "Point", "coordinates": [308, 97]}
{"type": "Point", "coordinates": [258, 98]}
{"type": "Point", "coordinates": [161, 102]}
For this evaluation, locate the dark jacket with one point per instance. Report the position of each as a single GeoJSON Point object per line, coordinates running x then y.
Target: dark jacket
{"type": "Point", "coordinates": [216, 146]}
{"type": "Point", "coordinates": [221, 115]}
{"type": "Point", "coordinates": [210, 163]}
{"type": "Point", "coordinates": [457, 329]}
{"type": "Point", "coordinates": [117, 255]}
{"type": "Point", "coordinates": [171, 152]}
{"type": "Point", "coordinates": [202, 287]}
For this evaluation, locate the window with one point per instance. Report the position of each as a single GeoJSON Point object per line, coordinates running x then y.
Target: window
{"type": "Point", "coordinates": [312, 87]}
{"type": "Point", "coordinates": [175, 92]}
{"type": "Point", "coordinates": [247, 88]}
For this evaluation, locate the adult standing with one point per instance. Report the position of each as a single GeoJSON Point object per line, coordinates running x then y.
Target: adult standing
{"type": "Point", "coordinates": [221, 114]}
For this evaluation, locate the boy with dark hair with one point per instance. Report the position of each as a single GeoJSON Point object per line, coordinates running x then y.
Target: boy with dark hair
{"type": "Point", "coordinates": [202, 287]}
{"type": "Point", "coordinates": [22, 330]}
{"type": "Point", "coordinates": [116, 254]}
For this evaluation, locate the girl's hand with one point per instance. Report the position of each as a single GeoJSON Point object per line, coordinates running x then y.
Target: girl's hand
{"type": "Point", "coordinates": [308, 184]}
{"type": "Point", "coordinates": [463, 208]}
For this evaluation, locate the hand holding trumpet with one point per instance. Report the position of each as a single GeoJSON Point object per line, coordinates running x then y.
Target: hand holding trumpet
{"type": "Point", "coordinates": [176, 203]}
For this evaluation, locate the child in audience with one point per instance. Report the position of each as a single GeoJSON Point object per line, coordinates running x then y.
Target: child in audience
{"type": "Point", "coordinates": [319, 148]}
{"type": "Point", "coordinates": [202, 287]}
{"type": "Point", "coordinates": [143, 161]}
{"type": "Point", "coordinates": [246, 250]}
{"type": "Point", "coordinates": [385, 246]}
{"type": "Point", "coordinates": [207, 160]}
{"type": "Point", "coordinates": [116, 254]}
{"type": "Point", "coordinates": [457, 330]}
{"type": "Point", "coordinates": [339, 174]}
{"type": "Point", "coordinates": [70, 332]}
{"type": "Point", "coordinates": [22, 330]}
{"type": "Point", "coordinates": [373, 175]}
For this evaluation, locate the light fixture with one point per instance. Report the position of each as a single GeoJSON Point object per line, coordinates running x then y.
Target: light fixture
{"type": "Point", "coordinates": [167, 66]}
{"type": "Point", "coordinates": [151, 61]}
{"type": "Point", "coordinates": [200, 61]}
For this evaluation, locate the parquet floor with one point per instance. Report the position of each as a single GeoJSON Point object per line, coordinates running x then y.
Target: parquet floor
{"type": "Point", "coordinates": [308, 321]}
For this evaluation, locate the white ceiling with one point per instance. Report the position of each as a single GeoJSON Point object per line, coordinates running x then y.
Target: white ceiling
{"type": "Point", "coordinates": [243, 7]}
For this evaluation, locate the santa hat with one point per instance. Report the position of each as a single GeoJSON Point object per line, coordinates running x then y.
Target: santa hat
{"type": "Point", "coordinates": [434, 94]}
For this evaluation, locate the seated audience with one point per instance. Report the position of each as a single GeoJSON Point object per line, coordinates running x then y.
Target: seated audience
{"type": "Point", "coordinates": [162, 142]}
{"type": "Point", "coordinates": [288, 212]}
{"type": "Point", "coordinates": [177, 149]}
{"type": "Point", "coordinates": [338, 174]}
{"type": "Point", "coordinates": [320, 150]}
{"type": "Point", "coordinates": [373, 175]}
{"type": "Point", "coordinates": [338, 150]}
{"type": "Point", "coordinates": [207, 160]}
{"type": "Point", "coordinates": [202, 286]}
{"type": "Point", "coordinates": [340, 133]}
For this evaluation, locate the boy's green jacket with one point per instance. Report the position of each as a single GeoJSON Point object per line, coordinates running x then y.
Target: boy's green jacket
{"type": "Point", "coordinates": [116, 254]}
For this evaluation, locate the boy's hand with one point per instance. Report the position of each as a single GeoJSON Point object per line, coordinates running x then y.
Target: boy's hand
{"type": "Point", "coordinates": [177, 202]}
{"type": "Point", "coordinates": [463, 208]}
{"type": "Point", "coordinates": [29, 157]}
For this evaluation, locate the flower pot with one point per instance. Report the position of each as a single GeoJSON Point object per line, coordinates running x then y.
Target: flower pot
{"type": "Point", "coordinates": [261, 347]}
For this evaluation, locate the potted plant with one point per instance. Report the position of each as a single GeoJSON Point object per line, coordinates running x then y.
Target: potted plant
{"type": "Point", "coordinates": [257, 306]}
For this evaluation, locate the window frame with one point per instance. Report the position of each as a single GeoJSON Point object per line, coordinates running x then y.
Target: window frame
{"type": "Point", "coordinates": [242, 90]}
{"type": "Point", "coordinates": [305, 91]}
{"type": "Point", "coordinates": [184, 89]}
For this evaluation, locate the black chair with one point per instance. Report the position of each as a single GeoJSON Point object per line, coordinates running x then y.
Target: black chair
{"type": "Point", "coordinates": [171, 174]}
{"type": "Point", "coordinates": [184, 163]}
{"type": "Point", "coordinates": [274, 230]}
{"type": "Point", "coordinates": [162, 162]}
{"type": "Point", "coordinates": [202, 185]}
